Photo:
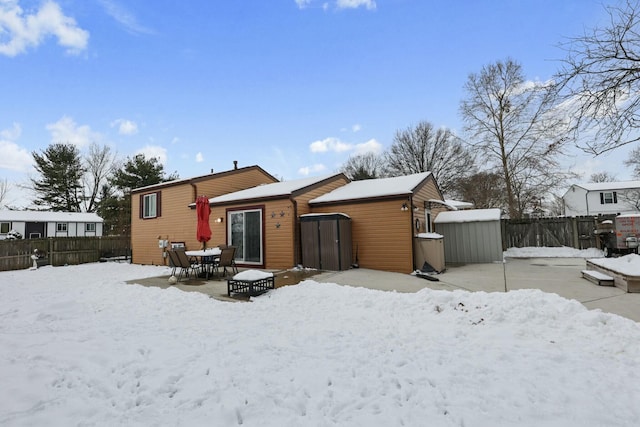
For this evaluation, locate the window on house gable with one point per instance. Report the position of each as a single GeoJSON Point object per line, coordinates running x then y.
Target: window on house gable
{"type": "Point", "coordinates": [61, 227]}
{"type": "Point", "coordinates": [150, 205]}
{"type": "Point", "coordinates": [609, 197]}
{"type": "Point", "coordinates": [5, 227]}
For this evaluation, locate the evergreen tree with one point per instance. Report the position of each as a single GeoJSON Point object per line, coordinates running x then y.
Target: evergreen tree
{"type": "Point", "coordinates": [59, 186]}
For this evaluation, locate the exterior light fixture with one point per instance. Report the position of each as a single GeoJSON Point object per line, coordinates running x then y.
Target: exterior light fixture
{"type": "Point", "coordinates": [219, 219]}
{"type": "Point", "coordinates": [404, 207]}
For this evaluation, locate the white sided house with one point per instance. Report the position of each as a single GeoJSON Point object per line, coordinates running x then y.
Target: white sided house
{"type": "Point", "coordinates": [37, 224]}
{"type": "Point", "coordinates": [602, 198]}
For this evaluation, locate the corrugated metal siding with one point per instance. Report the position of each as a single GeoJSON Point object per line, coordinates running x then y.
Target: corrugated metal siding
{"type": "Point", "coordinates": [178, 222]}
{"type": "Point", "coordinates": [471, 242]}
{"type": "Point", "coordinates": [381, 233]}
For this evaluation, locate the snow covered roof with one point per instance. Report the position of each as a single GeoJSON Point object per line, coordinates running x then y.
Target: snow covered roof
{"type": "Point", "coordinates": [276, 189]}
{"type": "Point", "coordinates": [372, 188]}
{"type": "Point", "coordinates": [601, 186]}
{"type": "Point", "coordinates": [196, 178]}
{"type": "Point", "coordinates": [469, 215]}
{"type": "Point", "coordinates": [40, 216]}
{"type": "Point", "coordinates": [458, 204]}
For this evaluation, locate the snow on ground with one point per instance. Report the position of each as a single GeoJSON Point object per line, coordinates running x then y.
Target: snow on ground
{"type": "Point", "coordinates": [549, 252]}
{"type": "Point", "coordinates": [80, 347]}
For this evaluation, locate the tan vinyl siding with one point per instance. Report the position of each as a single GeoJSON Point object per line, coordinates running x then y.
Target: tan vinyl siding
{"type": "Point", "coordinates": [428, 191]}
{"type": "Point", "coordinates": [280, 224]}
{"type": "Point", "coordinates": [303, 199]}
{"type": "Point", "coordinates": [231, 182]}
{"type": "Point", "coordinates": [382, 233]}
{"type": "Point", "coordinates": [177, 222]}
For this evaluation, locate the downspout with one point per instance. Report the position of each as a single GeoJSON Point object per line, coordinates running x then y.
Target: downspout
{"type": "Point", "coordinates": [297, 244]}
{"type": "Point", "coordinates": [586, 200]}
{"type": "Point", "coordinates": [411, 235]}
{"type": "Point", "coordinates": [195, 191]}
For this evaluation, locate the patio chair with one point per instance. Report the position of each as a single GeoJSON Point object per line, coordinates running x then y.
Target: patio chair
{"type": "Point", "coordinates": [186, 265]}
{"type": "Point", "coordinates": [227, 259]}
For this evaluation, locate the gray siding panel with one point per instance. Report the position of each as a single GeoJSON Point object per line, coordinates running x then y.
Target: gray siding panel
{"type": "Point", "coordinates": [471, 242]}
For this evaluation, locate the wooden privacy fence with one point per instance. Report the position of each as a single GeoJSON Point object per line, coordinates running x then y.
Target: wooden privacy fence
{"type": "Point", "coordinates": [574, 232]}
{"type": "Point", "coordinates": [16, 254]}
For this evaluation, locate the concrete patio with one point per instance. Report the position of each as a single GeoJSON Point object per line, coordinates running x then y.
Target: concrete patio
{"type": "Point", "coordinates": [557, 275]}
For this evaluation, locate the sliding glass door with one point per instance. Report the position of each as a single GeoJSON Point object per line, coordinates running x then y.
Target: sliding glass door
{"type": "Point", "coordinates": [245, 229]}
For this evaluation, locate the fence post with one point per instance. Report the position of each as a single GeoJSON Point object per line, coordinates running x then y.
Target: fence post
{"type": "Point", "coordinates": [574, 232]}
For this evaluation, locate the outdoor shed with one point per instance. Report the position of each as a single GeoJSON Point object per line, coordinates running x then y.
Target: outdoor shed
{"type": "Point", "coordinates": [386, 214]}
{"type": "Point", "coordinates": [326, 241]}
{"type": "Point", "coordinates": [470, 236]}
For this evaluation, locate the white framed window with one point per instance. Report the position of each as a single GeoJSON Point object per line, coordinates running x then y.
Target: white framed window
{"type": "Point", "coordinates": [150, 205]}
{"type": "Point", "coordinates": [62, 227]}
{"type": "Point", "coordinates": [245, 231]}
{"type": "Point", "coordinates": [90, 227]}
{"type": "Point", "coordinates": [608, 197]}
{"type": "Point", "coordinates": [5, 227]}
{"type": "Point", "coordinates": [427, 221]}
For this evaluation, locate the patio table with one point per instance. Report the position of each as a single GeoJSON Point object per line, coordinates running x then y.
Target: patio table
{"type": "Point", "coordinates": [202, 256]}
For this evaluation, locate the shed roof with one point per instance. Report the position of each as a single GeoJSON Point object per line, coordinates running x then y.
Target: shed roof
{"type": "Point", "coordinates": [469, 215]}
{"type": "Point", "coordinates": [42, 216]}
{"type": "Point", "coordinates": [274, 190]}
{"type": "Point", "coordinates": [374, 188]}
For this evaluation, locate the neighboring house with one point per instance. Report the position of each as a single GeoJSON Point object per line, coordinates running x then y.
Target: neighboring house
{"type": "Point", "coordinates": [386, 214]}
{"type": "Point", "coordinates": [161, 213]}
{"type": "Point", "coordinates": [40, 224]}
{"type": "Point", "coordinates": [602, 198]}
{"type": "Point", "coordinates": [263, 222]}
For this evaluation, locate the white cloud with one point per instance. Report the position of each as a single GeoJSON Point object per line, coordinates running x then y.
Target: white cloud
{"type": "Point", "coordinates": [339, 4]}
{"type": "Point", "coordinates": [333, 144]}
{"type": "Point", "coordinates": [312, 169]}
{"type": "Point", "coordinates": [13, 133]}
{"type": "Point", "coordinates": [20, 31]}
{"type": "Point", "coordinates": [124, 17]}
{"type": "Point", "coordinates": [199, 158]}
{"type": "Point", "coordinates": [66, 131]}
{"type": "Point", "coordinates": [125, 127]}
{"type": "Point", "coordinates": [154, 151]}
{"type": "Point", "coordinates": [14, 157]}
{"type": "Point", "coordinates": [356, 128]}
{"type": "Point", "coordinates": [329, 144]}
{"type": "Point", "coordinates": [354, 4]}
{"type": "Point", "coordinates": [371, 146]}
{"type": "Point", "coordinates": [303, 3]}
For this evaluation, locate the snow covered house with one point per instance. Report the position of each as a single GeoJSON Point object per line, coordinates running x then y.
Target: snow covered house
{"type": "Point", "coordinates": [39, 224]}
{"type": "Point", "coordinates": [386, 214]}
{"type": "Point", "coordinates": [602, 198]}
{"type": "Point", "coordinates": [161, 212]}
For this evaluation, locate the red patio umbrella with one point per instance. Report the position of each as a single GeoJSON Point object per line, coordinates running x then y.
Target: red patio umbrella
{"type": "Point", "coordinates": [203, 230]}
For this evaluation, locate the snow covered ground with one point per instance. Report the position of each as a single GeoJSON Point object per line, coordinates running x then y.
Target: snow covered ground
{"type": "Point", "coordinates": [78, 346]}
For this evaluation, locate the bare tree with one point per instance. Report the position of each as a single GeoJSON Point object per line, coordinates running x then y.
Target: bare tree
{"type": "Point", "coordinates": [634, 161]}
{"type": "Point", "coordinates": [4, 190]}
{"type": "Point", "coordinates": [484, 189]}
{"type": "Point", "coordinates": [602, 177]}
{"type": "Point", "coordinates": [601, 80]}
{"type": "Point", "coordinates": [513, 125]}
{"type": "Point", "coordinates": [425, 149]}
{"type": "Point", "coordinates": [364, 166]}
{"type": "Point", "coordinates": [99, 164]}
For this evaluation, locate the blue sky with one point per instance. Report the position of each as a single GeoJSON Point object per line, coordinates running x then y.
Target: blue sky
{"type": "Point", "coordinates": [295, 86]}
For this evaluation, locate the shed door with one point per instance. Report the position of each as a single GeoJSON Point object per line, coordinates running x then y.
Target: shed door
{"type": "Point", "coordinates": [329, 245]}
